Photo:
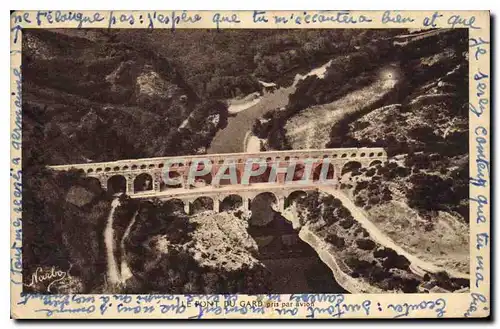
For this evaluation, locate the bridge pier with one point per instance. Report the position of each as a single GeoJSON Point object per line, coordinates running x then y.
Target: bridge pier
{"type": "Point", "coordinates": [281, 203]}
{"type": "Point", "coordinates": [129, 184]}
{"type": "Point", "coordinates": [187, 207]}
{"type": "Point", "coordinates": [157, 181]}
{"type": "Point", "coordinates": [104, 182]}
{"type": "Point", "coordinates": [245, 203]}
{"type": "Point", "coordinates": [185, 182]}
{"type": "Point", "coordinates": [337, 172]}
{"type": "Point", "coordinates": [216, 205]}
{"type": "Point", "coordinates": [213, 172]}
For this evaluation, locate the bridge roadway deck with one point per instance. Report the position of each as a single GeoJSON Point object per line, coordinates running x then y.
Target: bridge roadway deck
{"type": "Point", "coordinates": [255, 188]}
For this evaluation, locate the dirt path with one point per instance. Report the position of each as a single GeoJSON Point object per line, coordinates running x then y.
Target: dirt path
{"type": "Point", "coordinates": [113, 274]}
{"type": "Point", "coordinates": [125, 269]}
{"type": "Point", "coordinates": [381, 238]}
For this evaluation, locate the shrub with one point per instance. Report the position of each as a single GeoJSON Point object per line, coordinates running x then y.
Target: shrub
{"type": "Point", "coordinates": [336, 241]}
{"type": "Point", "coordinates": [384, 252]}
{"type": "Point", "coordinates": [360, 186]}
{"type": "Point", "coordinates": [347, 223]}
{"type": "Point", "coordinates": [358, 265]}
{"type": "Point", "coordinates": [371, 172]}
{"type": "Point", "coordinates": [365, 244]}
{"type": "Point", "coordinates": [359, 201]}
{"type": "Point", "coordinates": [397, 261]}
{"type": "Point", "coordinates": [342, 212]}
{"type": "Point", "coordinates": [374, 200]}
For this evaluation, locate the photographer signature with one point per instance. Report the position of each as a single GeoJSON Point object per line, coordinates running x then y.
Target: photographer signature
{"type": "Point", "coordinates": [50, 275]}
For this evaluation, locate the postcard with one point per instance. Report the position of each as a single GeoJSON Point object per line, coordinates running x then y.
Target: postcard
{"type": "Point", "coordinates": [250, 164]}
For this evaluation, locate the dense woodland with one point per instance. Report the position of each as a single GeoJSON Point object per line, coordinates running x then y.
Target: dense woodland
{"type": "Point", "coordinates": [127, 93]}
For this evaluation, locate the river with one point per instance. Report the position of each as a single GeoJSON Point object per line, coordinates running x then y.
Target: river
{"type": "Point", "coordinates": [294, 265]}
{"type": "Point", "coordinates": [231, 138]}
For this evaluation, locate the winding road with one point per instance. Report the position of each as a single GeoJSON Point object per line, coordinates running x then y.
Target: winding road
{"type": "Point", "coordinates": [113, 275]}
{"type": "Point", "coordinates": [384, 240]}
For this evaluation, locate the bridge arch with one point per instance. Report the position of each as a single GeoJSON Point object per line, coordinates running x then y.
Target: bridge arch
{"type": "Point", "coordinates": [94, 183]}
{"type": "Point", "coordinates": [231, 202]}
{"type": "Point", "coordinates": [294, 196]}
{"type": "Point", "coordinates": [263, 207]}
{"type": "Point", "coordinates": [267, 195]}
{"type": "Point", "coordinates": [143, 182]}
{"type": "Point", "coordinates": [375, 162]}
{"type": "Point", "coordinates": [202, 203]}
{"type": "Point", "coordinates": [350, 166]}
{"type": "Point", "coordinates": [117, 184]}
{"type": "Point", "coordinates": [175, 205]}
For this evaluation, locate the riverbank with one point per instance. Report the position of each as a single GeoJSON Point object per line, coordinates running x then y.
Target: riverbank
{"type": "Point", "coordinates": [237, 105]}
{"type": "Point", "coordinates": [252, 143]}
{"type": "Point", "coordinates": [327, 256]}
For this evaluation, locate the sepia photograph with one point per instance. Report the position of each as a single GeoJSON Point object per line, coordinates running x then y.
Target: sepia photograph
{"type": "Point", "coordinates": [245, 161]}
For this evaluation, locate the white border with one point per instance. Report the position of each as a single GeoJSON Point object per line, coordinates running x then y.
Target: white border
{"type": "Point", "coordinates": [201, 5]}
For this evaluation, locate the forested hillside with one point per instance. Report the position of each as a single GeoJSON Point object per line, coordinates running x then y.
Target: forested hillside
{"type": "Point", "coordinates": [103, 95]}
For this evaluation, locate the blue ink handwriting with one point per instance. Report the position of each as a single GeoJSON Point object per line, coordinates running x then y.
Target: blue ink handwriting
{"type": "Point", "coordinates": [476, 299]}
{"type": "Point", "coordinates": [431, 21]}
{"type": "Point", "coordinates": [390, 17]}
{"type": "Point", "coordinates": [479, 45]}
{"type": "Point", "coordinates": [218, 18]}
{"type": "Point", "coordinates": [405, 309]}
{"type": "Point", "coordinates": [61, 17]}
{"type": "Point", "coordinates": [455, 20]}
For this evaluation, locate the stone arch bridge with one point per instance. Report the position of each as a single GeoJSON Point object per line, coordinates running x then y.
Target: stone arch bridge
{"type": "Point", "coordinates": [235, 198]}
{"type": "Point", "coordinates": [147, 176]}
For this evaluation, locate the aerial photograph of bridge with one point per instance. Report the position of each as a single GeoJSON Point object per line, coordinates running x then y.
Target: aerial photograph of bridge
{"type": "Point", "coordinates": [245, 161]}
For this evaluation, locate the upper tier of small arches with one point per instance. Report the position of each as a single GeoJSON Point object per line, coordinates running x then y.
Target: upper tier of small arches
{"type": "Point", "coordinates": [158, 163]}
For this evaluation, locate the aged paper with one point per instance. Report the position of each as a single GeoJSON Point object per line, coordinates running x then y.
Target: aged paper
{"type": "Point", "coordinates": [250, 164]}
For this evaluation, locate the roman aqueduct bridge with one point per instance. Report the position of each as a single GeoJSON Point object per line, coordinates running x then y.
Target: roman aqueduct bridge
{"type": "Point", "coordinates": [145, 178]}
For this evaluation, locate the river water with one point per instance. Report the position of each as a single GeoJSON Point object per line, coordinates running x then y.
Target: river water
{"type": "Point", "coordinates": [294, 265]}
{"type": "Point", "coordinates": [232, 137]}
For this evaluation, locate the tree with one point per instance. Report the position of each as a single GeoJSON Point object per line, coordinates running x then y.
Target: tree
{"type": "Point", "coordinates": [429, 192]}
{"type": "Point", "coordinates": [365, 244]}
